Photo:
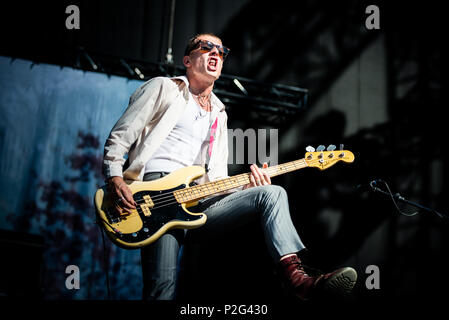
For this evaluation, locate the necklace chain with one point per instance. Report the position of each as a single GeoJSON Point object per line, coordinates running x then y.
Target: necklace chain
{"type": "Point", "coordinates": [203, 101]}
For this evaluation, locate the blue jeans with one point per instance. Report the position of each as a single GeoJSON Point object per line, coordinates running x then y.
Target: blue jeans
{"type": "Point", "coordinates": [266, 204]}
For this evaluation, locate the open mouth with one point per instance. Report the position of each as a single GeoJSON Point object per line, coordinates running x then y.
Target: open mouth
{"type": "Point", "coordinates": [212, 63]}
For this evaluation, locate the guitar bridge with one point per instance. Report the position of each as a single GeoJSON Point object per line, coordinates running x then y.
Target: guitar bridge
{"type": "Point", "coordinates": [112, 217]}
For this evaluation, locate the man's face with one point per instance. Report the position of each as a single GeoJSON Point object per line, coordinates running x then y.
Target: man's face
{"type": "Point", "coordinates": [205, 64]}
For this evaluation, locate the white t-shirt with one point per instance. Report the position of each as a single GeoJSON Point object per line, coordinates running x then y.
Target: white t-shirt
{"type": "Point", "coordinates": [184, 143]}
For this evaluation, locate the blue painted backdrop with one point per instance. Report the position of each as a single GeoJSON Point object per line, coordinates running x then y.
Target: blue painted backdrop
{"type": "Point", "coordinates": [53, 125]}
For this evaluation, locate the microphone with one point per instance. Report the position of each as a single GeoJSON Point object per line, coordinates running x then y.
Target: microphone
{"type": "Point", "coordinates": [372, 185]}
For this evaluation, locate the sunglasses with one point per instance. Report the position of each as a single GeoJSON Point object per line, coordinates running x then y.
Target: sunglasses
{"type": "Point", "coordinates": [207, 46]}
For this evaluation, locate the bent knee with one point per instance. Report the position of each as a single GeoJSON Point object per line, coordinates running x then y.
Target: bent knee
{"type": "Point", "coordinates": [273, 193]}
{"type": "Point", "coordinates": [274, 189]}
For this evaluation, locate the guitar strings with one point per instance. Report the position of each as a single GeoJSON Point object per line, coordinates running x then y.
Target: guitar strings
{"type": "Point", "coordinates": [168, 196]}
{"type": "Point", "coordinates": [241, 178]}
{"type": "Point", "coordinates": [194, 188]}
{"type": "Point", "coordinates": [160, 200]}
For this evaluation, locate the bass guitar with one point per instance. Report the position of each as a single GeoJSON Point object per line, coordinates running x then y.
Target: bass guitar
{"type": "Point", "coordinates": [163, 204]}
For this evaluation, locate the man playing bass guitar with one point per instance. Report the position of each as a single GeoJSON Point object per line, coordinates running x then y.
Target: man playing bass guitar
{"type": "Point", "coordinates": [172, 123]}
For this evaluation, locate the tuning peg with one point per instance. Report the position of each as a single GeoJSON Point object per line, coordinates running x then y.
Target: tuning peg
{"type": "Point", "coordinates": [310, 149]}
{"type": "Point", "coordinates": [342, 146]}
{"type": "Point", "coordinates": [331, 147]}
{"type": "Point", "coordinates": [320, 148]}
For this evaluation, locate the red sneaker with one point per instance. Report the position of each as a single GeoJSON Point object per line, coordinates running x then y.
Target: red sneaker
{"type": "Point", "coordinates": [339, 282]}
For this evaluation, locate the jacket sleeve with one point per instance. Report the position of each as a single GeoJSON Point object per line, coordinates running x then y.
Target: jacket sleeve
{"type": "Point", "coordinates": [142, 106]}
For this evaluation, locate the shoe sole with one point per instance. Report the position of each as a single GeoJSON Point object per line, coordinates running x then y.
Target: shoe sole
{"type": "Point", "coordinates": [342, 282]}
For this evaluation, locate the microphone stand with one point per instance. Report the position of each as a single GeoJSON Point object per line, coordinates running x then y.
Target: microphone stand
{"type": "Point", "coordinates": [401, 198]}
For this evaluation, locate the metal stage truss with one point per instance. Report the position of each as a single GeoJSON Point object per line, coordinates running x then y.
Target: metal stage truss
{"type": "Point", "coordinates": [273, 102]}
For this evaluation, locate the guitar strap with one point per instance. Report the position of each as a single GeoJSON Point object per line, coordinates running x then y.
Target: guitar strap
{"type": "Point", "coordinates": [213, 131]}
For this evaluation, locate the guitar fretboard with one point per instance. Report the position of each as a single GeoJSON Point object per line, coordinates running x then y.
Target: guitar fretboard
{"type": "Point", "coordinates": [195, 193]}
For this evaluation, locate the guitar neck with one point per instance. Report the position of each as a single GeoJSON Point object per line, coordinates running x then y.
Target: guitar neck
{"type": "Point", "coordinates": [201, 191]}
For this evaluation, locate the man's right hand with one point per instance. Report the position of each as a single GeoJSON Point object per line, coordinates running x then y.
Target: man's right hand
{"type": "Point", "coordinates": [124, 196]}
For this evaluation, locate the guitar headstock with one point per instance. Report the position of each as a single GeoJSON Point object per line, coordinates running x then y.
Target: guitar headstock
{"type": "Point", "coordinates": [324, 158]}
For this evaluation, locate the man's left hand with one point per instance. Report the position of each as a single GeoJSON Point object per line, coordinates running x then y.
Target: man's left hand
{"type": "Point", "coordinates": [258, 177]}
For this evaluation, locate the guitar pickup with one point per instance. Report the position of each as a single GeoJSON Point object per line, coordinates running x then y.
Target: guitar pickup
{"type": "Point", "coordinates": [147, 205]}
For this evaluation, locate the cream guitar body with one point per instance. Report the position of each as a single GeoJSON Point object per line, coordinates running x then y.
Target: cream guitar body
{"type": "Point", "coordinates": [157, 210]}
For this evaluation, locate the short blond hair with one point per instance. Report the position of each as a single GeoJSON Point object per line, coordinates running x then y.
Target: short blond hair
{"type": "Point", "coordinates": [193, 42]}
